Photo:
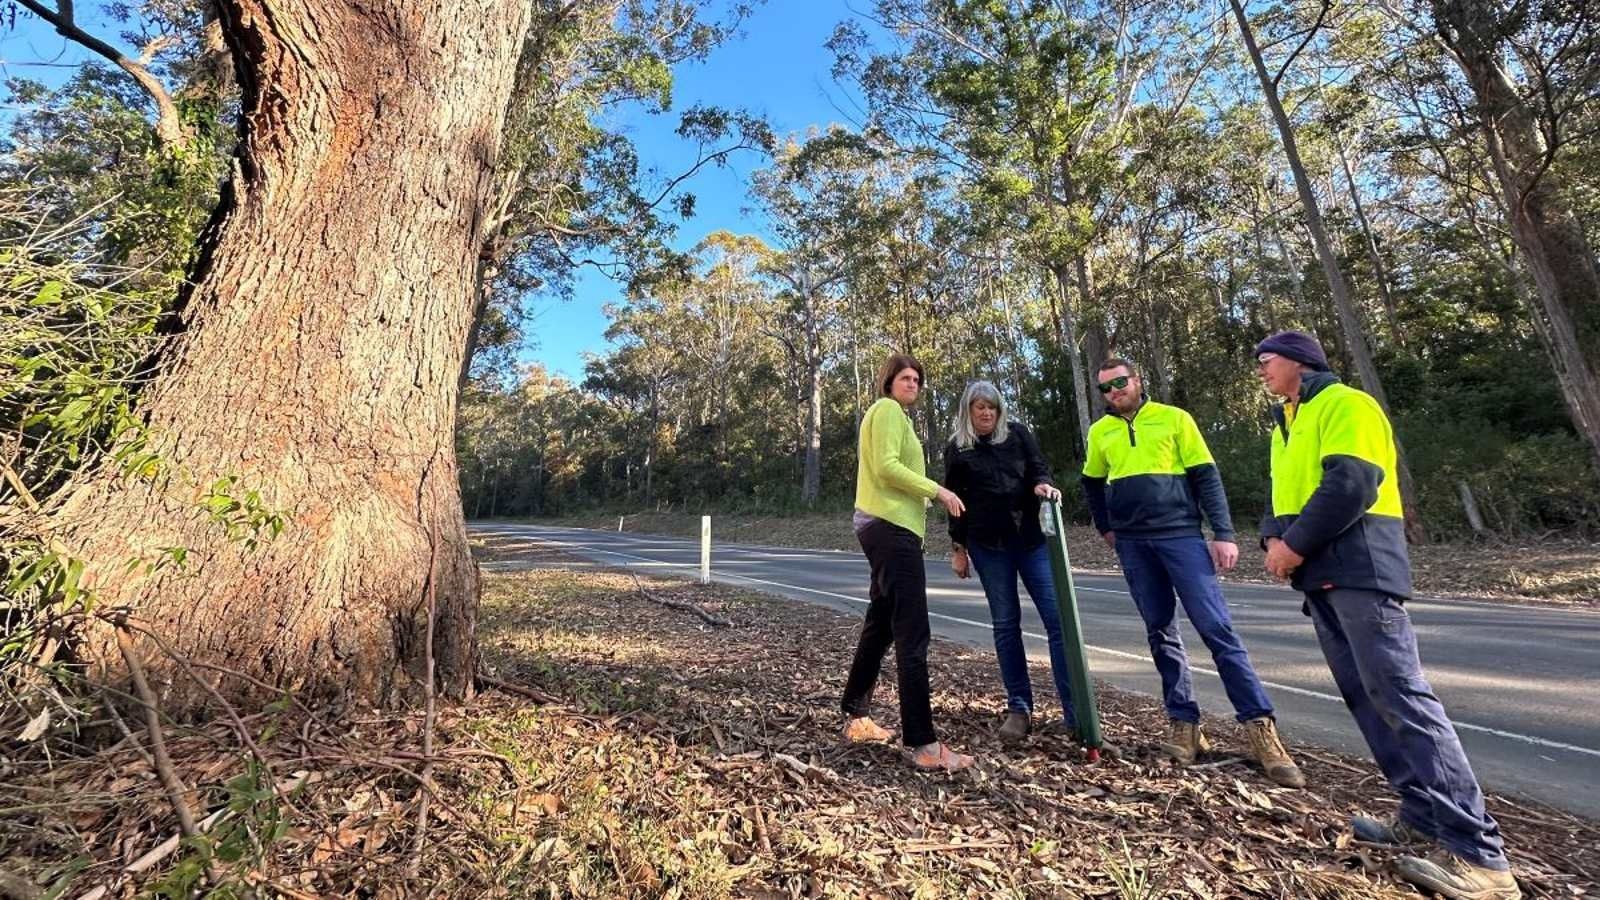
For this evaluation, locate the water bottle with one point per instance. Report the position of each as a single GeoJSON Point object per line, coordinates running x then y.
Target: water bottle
{"type": "Point", "coordinates": [1047, 519]}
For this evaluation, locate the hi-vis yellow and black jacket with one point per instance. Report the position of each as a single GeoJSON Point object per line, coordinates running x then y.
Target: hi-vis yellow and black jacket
{"type": "Point", "coordinates": [1335, 496]}
{"type": "Point", "coordinates": [1151, 476]}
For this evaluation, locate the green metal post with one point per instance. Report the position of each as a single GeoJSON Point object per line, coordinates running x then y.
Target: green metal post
{"type": "Point", "coordinates": [1083, 702]}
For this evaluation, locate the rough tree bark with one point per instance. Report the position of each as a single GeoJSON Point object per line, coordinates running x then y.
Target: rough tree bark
{"type": "Point", "coordinates": [1550, 238]}
{"type": "Point", "coordinates": [319, 356]}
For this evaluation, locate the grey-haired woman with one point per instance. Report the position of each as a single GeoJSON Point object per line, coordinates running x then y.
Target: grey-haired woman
{"type": "Point", "coordinates": [996, 467]}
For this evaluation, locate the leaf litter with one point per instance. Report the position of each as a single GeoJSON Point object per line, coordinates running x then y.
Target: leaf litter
{"type": "Point", "coordinates": [625, 747]}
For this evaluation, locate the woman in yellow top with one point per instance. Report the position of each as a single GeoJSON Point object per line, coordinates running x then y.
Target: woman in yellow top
{"type": "Point", "coordinates": [892, 493]}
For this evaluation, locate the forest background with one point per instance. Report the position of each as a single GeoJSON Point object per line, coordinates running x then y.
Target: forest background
{"type": "Point", "coordinates": [1027, 188]}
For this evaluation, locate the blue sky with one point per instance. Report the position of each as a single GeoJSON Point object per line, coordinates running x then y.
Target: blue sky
{"type": "Point", "coordinates": [777, 67]}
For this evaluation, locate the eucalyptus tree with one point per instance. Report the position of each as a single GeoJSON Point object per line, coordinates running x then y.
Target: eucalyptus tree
{"type": "Point", "coordinates": [1531, 73]}
{"type": "Point", "coordinates": [315, 359]}
{"type": "Point", "coordinates": [1352, 327]}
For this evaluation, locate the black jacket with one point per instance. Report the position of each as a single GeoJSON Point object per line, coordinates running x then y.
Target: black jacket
{"type": "Point", "coordinates": [996, 482]}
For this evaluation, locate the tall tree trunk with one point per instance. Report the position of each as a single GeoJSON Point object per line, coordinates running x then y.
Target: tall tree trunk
{"type": "Point", "coordinates": [1096, 329]}
{"type": "Point", "coordinates": [1550, 238]}
{"type": "Point", "coordinates": [1069, 343]}
{"type": "Point", "coordinates": [811, 476]}
{"type": "Point", "coordinates": [1379, 271]}
{"type": "Point", "coordinates": [1158, 352]}
{"type": "Point", "coordinates": [1344, 303]}
{"type": "Point", "coordinates": [319, 359]}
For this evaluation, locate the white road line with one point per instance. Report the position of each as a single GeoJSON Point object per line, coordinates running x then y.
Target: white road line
{"type": "Point", "coordinates": [759, 549]}
{"type": "Point", "coordinates": [1304, 692]}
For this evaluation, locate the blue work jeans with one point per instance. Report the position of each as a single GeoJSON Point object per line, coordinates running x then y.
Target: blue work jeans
{"type": "Point", "coordinates": [998, 570]}
{"type": "Point", "coordinates": [1162, 572]}
{"type": "Point", "coordinates": [1367, 639]}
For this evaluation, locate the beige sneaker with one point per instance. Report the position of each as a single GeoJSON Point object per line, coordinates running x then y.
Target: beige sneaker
{"type": "Point", "coordinates": [1270, 752]}
{"type": "Point", "coordinates": [1185, 741]}
{"type": "Point", "coordinates": [1448, 875]}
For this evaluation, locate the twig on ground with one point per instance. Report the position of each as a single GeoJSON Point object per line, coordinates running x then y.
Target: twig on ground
{"type": "Point", "coordinates": [415, 866]}
{"type": "Point", "coordinates": [714, 621]}
{"type": "Point", "coordinates": [158, 745]}
{"type": "Point", "coordinates": [533, 694]}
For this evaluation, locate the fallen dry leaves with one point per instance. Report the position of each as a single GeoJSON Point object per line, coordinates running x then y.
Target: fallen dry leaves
{"type": "Point", "coordinates": [641, 752]}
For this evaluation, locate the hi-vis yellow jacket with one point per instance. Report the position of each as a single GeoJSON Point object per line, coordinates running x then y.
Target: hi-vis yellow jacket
{"type": "Point", "coordinates": [1335, 494]}
{"type": "Point", "coordinates": [1152, 476]}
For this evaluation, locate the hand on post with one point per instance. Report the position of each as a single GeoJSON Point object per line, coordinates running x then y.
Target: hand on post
{"type": "Point", "coordinates": [1047, 492]}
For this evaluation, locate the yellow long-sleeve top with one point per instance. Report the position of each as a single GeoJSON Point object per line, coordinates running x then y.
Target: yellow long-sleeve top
{"type": "Point", "coordinates": [891, 479]}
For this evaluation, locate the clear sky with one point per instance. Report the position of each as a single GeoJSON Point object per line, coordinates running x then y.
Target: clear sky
{"type": "Point", "coordinates": [777, 68]}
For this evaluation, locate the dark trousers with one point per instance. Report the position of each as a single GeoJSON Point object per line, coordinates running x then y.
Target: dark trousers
{"type": "Point", "coordinates": [1160, 573]}
{"type": "Point", "coordinates": [1366, 637]}
{"type": "Point", "coordinates": [998, 569]}
{"type": "Point", "coordinates": [897, 615]}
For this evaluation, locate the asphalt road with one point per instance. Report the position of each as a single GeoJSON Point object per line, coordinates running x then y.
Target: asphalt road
{"type": "Point", "coordinates": [1521, 682]}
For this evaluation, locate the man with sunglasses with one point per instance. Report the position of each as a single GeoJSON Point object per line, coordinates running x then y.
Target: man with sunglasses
{"type": "Point", "coordinates": [1149, 479]}
{"type": "Point", "coordinates": [1335, 529]}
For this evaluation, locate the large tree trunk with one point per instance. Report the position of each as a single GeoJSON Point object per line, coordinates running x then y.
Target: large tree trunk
{"type": "Point", "coordinates": [319, 360]}
{"type": "Point", "coordinates": [1343, 302]}
{"type": "Point", "coordinates": [1550, 238]}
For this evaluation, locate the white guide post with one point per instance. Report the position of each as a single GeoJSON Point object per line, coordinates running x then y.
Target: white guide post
{"type": "Point", "coordinates": [705, 549]}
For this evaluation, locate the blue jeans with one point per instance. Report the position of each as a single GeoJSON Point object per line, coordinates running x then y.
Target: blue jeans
{"type": "Point", "coordinates": [998, 570]}
{"type": "Point", "coordinates": [1367, 639]}
{"type": "Point", "coordinates": [1156, 570]}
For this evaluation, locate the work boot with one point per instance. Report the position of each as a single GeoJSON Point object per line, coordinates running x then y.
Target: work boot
{"type": "Point", "coordinates": [1015, 727]}
{"type": "Point", "coordinates": [1269, 751]}
{"type": "Point", "coordinates": [1448, 875]}
{"type": "Point", "coordinates": [1393, 832]}
{"type": "Point", "coordinates": [1185, 741]}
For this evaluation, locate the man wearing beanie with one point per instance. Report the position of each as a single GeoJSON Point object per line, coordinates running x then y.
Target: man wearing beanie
{"type": "Point", "coordinates": [1334, 528]}
{"type": "Point", "coordinates": [1149, 478]}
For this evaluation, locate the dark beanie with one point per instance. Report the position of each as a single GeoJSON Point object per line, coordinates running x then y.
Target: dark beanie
{"type": "Point", "coordinates": [1298, 346]}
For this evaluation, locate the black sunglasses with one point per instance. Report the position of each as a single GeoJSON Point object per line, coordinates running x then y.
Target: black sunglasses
{"type": "Point", "coordinates": [1115, 384]}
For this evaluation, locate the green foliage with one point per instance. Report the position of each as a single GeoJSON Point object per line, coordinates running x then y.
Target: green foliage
{"type": "Point", "coordinates": [1006, 142]}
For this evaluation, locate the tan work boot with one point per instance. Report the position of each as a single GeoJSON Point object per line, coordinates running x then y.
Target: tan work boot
{"type": "Point", "coordinates": [1269, 751]}
{"type": "Point", "coordinates": [1015, 727]}
{"type": "Point", "coordinates": [1185, 741]}
{"type": "Point", "coordinates": [1448, 875]}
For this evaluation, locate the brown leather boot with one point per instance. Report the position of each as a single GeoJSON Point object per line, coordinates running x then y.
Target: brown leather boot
{"type": "Point", "coordinates": [1270, 752]}
{"type": "Point", "coordinates": [1185, 741]}
{"type": "Point", "coordinates": [1015, 727]}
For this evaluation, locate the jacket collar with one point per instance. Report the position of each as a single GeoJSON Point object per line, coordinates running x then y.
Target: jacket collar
{"type": "Point", "coordinates": [1144, 400]}
{"type": "Point", "coordinates": [1311, 384]}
